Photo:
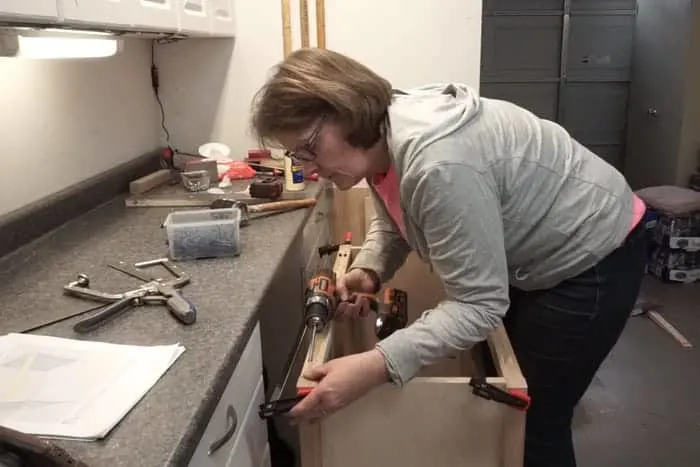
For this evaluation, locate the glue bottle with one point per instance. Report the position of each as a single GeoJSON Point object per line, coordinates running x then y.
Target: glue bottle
{"type": "Point", "coordinates": [293, 174]}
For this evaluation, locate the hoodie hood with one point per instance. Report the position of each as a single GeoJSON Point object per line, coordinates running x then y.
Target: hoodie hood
{"type": "Point", "coordinates": [422, 115]}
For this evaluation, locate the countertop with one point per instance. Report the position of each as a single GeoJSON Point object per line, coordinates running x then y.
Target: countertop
{"type": "Point", "coordinates": [167, 423]}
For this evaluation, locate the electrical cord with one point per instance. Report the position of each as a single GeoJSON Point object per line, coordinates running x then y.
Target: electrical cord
{"type": "Point", "coordinates": [166, 162]}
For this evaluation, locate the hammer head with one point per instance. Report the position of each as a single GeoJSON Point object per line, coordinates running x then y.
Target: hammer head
{"type": "Point", "coordinates": [228, 203]}
{"type": "Point", "coordinates": [245, 214]}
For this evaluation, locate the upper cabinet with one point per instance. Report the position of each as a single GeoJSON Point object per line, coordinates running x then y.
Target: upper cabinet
{"type": "Point", "coordinates": [110, 13]}
{"type": "Point", "coordinates": [160, 15]}
{"type": "Point", "coordinates": [222, 17]}
{"type": "Point", "coordinates": [200, 18]}
{"type": "Point", "coordinates": [194, 16]}
{"type": "Point", "coordinates": [206, 17]}
{"type": "Point", "coordinates": [44, 10]}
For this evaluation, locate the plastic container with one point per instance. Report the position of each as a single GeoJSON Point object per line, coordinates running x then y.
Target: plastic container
{"type": "Point", "coordinates": [293, 175]}
{"type": "Point", "coordinates": [204, 233]}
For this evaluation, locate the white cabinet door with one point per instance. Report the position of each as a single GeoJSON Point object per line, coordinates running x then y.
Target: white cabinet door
{"type": "Point", "coordinates": [226, 424]}
{"type": "Point", "coordinates": [29, 9]}
{"type": "Point", "coordinates": [249, 449]}
{"type": "Point", "coordinates": [157, 15]}
{"type": "Point", "coordinates": [222, 18]}
{"type": "Point", "coordinates": [194, 16]}
{"type": "Point", "coordinates": [97, 12]}
{"type": "Point", "coordinates": [145, 15]}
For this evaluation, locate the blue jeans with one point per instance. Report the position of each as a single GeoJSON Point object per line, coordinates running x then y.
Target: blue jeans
{"type": "Point", "coordinates": [562, 335]}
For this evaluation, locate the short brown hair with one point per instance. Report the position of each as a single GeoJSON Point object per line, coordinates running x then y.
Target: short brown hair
{"type": "Point", "coordinates": [312, 82]}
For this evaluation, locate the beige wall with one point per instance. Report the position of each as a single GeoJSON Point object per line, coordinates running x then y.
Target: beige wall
{"type": "Point", "coordinates": [208, 84]}
{"type": "Point", "coordinates": [63, 121]}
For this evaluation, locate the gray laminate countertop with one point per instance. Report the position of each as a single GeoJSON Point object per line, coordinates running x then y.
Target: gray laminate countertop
{"type": "Point", "coordinates": [164, 427]}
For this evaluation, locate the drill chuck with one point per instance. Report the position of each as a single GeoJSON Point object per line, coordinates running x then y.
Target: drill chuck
{"type": "Point", "coordinates": [317, 314]}
{"type": "Point", "coordinates": [318, 306]}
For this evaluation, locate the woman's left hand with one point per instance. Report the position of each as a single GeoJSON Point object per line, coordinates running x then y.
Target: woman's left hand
{"type": "Point", "coordinates": [340, 382]}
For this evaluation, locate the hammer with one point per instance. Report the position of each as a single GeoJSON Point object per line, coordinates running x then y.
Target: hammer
{"type": "Point", "coordinates": [276, 207]}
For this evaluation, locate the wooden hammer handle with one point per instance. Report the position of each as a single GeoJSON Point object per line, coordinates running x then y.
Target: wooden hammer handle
{"type": "Point", "coordinates": [282, 205]}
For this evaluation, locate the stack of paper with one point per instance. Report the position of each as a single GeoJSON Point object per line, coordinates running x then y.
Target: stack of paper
{"type": "Point", "coordinates": [67, 388]}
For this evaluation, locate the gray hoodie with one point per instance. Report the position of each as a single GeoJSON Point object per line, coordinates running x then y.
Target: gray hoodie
{"type": "Point", "coordinates": [491, 196]}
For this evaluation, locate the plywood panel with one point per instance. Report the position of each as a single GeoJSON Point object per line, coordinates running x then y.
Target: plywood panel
{"type": "Point", "coordinates": [429, 422]}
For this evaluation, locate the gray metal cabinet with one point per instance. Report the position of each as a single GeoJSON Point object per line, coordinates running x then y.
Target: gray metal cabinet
{"type": "Point", "coordinates": [568, 61]}
{"type": "Point", "coordinates": [664, 110]}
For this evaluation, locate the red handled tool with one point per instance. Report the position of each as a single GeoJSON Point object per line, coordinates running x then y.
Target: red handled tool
{"type": "Point", "coordinates": [513, 398]}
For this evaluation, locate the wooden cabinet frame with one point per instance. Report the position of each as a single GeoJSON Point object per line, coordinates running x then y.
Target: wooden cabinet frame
{"type": "Point", "coordinates": [431, 421]}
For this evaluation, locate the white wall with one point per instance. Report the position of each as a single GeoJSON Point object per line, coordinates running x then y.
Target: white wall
{"type": "Point", "coordinates": [208, 84]}
{"type": "Point", "coordinates": [410, 43]}
{"type": "Point", "coordinates": [64, 121]}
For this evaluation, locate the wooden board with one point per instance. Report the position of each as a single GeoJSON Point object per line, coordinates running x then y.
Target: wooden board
{"type": "Point", "coordinates": [323, 345]}
{"type": "Point", "coordinates": [321, 24]}
{"type": "Point", "coordinates": [286, 28]}
{"type": "Point", "coordinates": [434, 422]}
{"type": "Point", "coordinates": [150, 181]}
{"type": "Point", "coordinates": [304, 22]}
{"type": "Point", "coordinates": [394, 426]}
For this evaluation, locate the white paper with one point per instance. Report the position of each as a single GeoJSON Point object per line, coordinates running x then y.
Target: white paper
{"type": "Point", "coordinates": [67, 388]}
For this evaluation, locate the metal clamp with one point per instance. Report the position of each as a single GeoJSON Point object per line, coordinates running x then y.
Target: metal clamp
{"type": "Point", "coordinates": [155, 291]}
{"type": "Point", "coordinates": [491, 392]}
{"type": "Point", "coordinates": [273, 408]}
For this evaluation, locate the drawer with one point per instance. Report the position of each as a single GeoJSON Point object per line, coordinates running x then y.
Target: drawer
{"type": "Point", "coordinates": [250, 446]}
{"type": "Point", "coordinates": [225, 424]}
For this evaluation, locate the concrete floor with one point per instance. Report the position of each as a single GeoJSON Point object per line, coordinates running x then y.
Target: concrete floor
{"type": "Point", "coordinates": [643, 408]}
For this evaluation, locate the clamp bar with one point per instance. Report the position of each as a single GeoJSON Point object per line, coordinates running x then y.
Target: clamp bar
{"type": "Point", "coordinates": [488, 391]}
{"type": "Point", "coordinates": [277, 407]}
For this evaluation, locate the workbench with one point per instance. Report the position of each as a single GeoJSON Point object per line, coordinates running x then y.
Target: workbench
{"type": "Point", "coordinates": [188, 408]}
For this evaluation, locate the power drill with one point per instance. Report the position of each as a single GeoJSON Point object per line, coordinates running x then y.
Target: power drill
{"type": "Point", "coordinates": [322, 300]}
{"type": "Point", "coordinates": [319, 304]}
{"type": "Point", "coordinates": [392, 313]}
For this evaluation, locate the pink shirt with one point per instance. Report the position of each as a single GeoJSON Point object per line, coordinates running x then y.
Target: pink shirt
{"type": "Point", "coordinates": [387, 185]}
{"type": "Point", "coordinates": [639, 210]}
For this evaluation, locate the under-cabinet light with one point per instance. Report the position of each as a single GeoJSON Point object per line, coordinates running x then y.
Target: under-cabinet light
{"type": "Point", "coordinates": [52, 44]}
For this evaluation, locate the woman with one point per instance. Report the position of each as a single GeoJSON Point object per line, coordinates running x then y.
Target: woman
{"type": "Point", "coordinates": [524, 225]}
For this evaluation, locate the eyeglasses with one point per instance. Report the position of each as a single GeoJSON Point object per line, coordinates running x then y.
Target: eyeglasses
{"type": "Point", "coordinates": [306, 152]}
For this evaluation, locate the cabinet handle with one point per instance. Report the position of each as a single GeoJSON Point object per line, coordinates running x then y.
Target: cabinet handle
{"type": "Point", "coordinates": [233, 422]}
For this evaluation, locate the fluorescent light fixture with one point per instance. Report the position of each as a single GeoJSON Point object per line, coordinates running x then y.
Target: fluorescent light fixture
{"type": "Point", "coordinates": [56, 44]}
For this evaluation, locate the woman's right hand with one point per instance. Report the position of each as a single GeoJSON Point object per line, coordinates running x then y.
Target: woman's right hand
{"type": "Point", "coordinates": [357, 281]}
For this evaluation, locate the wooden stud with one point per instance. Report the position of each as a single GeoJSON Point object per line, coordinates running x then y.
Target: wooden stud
{"type": "Point", "coordinates": [286, 27]}
{"type": "Point", "coordinates": [321, 23]}
{"type": "Point", "coordinates": [304, 19]}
